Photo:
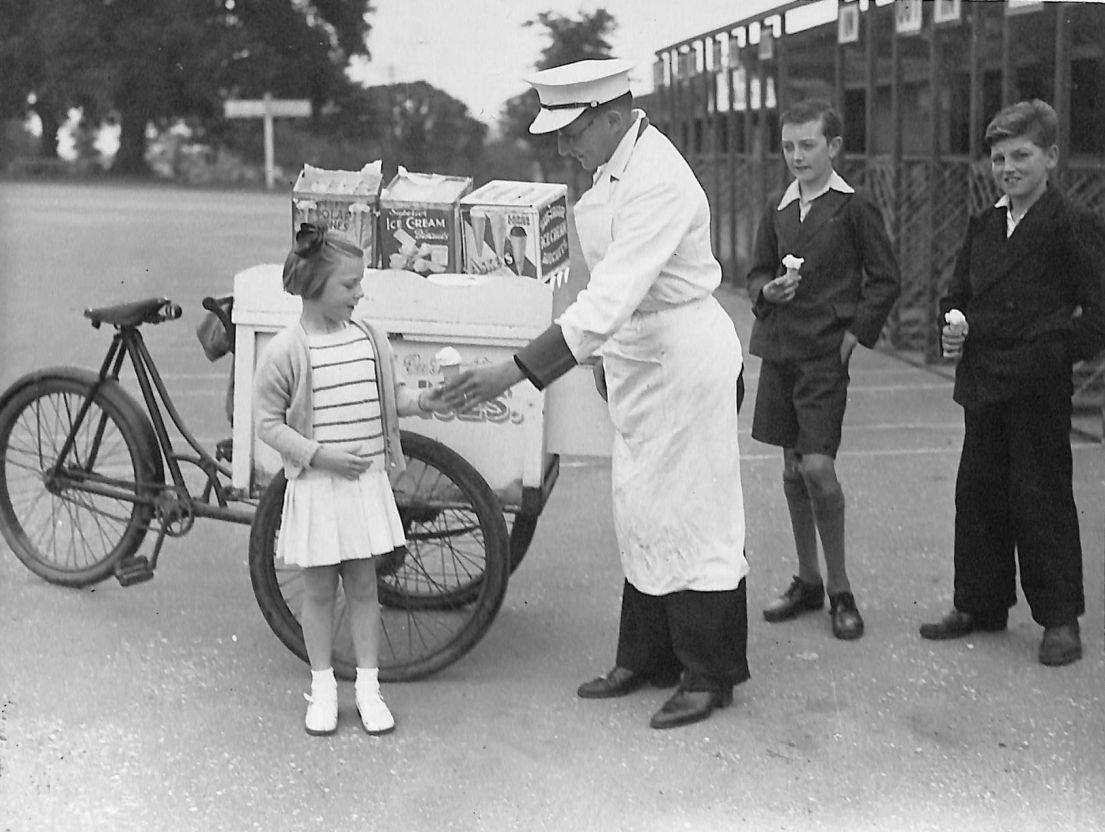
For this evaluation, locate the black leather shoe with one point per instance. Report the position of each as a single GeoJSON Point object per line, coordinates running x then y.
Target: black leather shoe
{"type": "Point", "coordinates": [799, 597]}
{"type": "Point", "coordinates": [617, 682]}
{"type": "Point", "coordinates": [688, 706]}
{"type": "Point", "coordinates": [847, 622]}
{"type": "Point", "coordinates": [1061, 645]}
{"type": "Point", "coordinates": [958, 623]}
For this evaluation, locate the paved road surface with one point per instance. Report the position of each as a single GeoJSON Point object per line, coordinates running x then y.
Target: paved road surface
{"type": "Point", "coordinates": [170, 706]}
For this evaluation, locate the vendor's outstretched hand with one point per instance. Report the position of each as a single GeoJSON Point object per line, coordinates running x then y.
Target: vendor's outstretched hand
{"type": "Point", "coordinates": [480, 384]}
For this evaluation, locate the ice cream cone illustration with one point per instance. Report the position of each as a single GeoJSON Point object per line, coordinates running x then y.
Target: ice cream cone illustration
{"type": "Point", "coordinates": [498, 232]}
{"type": "Point", "coordinates": [479, 226]}
{"type": "Point", "coordinates": [518, 248]}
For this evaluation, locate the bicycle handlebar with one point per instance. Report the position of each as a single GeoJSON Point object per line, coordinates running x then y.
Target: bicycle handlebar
{"type": "Point", "coordinates": [168, 311]}
{"type": "Point", "coordinates": [151, 311]}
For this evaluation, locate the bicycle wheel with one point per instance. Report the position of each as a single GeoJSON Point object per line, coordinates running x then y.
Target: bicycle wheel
{"type": "Point", "coordinates": [62, 531]}
{"type": "Point", "coordinates": [438, 600]}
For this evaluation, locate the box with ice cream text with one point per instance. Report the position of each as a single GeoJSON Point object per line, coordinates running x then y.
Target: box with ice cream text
{"type": "Point", "coordinates": [419, 222]}
{"type": "Point", "coordinates": [518, 228]}
{"type": "Point", "coordinates": [346, 201]}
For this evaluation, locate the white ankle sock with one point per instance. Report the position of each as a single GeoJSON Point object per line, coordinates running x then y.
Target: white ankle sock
{"type": "Point", "coordinates": [323, 678]}
{"type": "Point", "coordinates": [368, 676]}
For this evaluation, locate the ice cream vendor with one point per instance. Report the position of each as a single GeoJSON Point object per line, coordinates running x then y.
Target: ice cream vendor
{"type": "Point", "coordinates": [670, 362]}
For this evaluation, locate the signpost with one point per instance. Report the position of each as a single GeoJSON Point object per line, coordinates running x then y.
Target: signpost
{"type": "Point", "coordinates": [268, 108]}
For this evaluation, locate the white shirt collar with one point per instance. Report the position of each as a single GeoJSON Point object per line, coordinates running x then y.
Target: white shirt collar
{"type": "Point", "coordinates": [1011, 222]}
{"type": "Point", "coordinates": [616, 165]}
{"type": "Point", "coordinates": [835, 182]}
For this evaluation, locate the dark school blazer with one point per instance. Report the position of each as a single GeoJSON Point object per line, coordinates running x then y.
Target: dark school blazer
{"type": "Point", "coordinates": [1020, 295]}
{"type": "Point", "coordinates": [850, 277]}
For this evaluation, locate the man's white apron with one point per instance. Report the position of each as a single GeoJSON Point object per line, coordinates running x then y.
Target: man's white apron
{"type": "Point", "coordinates": [671, 377]}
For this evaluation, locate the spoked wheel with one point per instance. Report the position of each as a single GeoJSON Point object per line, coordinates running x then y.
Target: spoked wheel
{"type": "Point", "coordinates": [437, 599]}
{"type": "Point", "coordinates": [50, 514]}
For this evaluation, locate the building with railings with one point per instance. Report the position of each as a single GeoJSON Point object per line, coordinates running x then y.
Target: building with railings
{"type": "Point", "coordinates": [916, 83]}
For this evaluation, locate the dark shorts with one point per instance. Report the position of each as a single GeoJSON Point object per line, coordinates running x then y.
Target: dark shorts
{"type": "Point", "coordinates": [800, 404]}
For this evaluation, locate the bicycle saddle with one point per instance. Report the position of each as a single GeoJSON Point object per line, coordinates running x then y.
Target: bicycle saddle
{"type": "Point", "coordinates": [153, 310]}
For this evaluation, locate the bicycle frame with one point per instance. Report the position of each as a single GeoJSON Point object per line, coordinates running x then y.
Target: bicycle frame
{"type": "Point", "coordinates": [129, 343]}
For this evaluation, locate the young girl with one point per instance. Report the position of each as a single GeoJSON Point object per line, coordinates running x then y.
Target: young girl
{"type": "Point", "coordinates": [327, 397]}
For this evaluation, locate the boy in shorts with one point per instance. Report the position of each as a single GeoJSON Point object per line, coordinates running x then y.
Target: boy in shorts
{"type": "Point", "coordinates": [1027, 290]}
{"type": "Point", "coordinates": [823, 278]}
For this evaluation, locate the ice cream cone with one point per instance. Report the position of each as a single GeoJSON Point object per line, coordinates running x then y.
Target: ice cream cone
{"type": "Point", "coordinates": [448, 361]}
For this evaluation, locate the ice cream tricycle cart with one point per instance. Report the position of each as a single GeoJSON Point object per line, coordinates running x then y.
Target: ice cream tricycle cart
{"type": "Point", "coordinates": [89, 470]}
{"type": "Point", "coordinates": [89, 467]}
{"type": "Point", "coordinates": [475, 481]}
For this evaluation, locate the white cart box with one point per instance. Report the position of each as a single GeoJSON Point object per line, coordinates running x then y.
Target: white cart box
{"type": "Point", "coordinates": [510, 440]}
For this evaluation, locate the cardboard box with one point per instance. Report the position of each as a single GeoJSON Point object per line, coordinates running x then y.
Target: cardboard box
{"type": "Point", "coordinates": [519, 228]}
{"type": "Point", "coordinates": [347, 201]}
{"type": "Point", "coordinates": [419, 221]}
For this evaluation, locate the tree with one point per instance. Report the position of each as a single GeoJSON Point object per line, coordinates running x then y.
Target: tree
{"type": "Point", "coordinates": [37, 38]}
{"type": "Point", "coordinates": [425, 129]}
{"type": "Point", "coordinates": [161, 60]}
{"type": "Point", "coordinates": [570, 39]}
{"type": "Point", "coordinates": [415, 125]}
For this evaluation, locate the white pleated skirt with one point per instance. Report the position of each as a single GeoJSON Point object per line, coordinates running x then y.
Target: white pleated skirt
{"type": "Point", "coordinates": [330, 519]}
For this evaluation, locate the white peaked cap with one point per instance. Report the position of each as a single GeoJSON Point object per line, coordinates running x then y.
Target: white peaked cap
{"type": "Point", "coordinates": [566, 91]}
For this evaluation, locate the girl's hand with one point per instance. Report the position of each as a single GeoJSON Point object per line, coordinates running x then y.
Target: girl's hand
{"type": "Point", "coordinates": [431, 399]}
{"type": "Point", "coordinates": [347, 464]}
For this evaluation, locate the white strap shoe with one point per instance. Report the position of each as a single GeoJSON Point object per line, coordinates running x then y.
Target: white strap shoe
{"type": "Point", "coordinates": [322, 712]}
{"type": "Point", "coordinates": [374, 713]}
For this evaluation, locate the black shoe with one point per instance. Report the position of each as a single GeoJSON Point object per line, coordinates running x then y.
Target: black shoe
{"type": "Point", "coordinates": [689, 706]}
{"type": "Point", "coordinates": [617, 682]}
{"type": "Point", "coordinates": [799, 597]}
{"type": "Point", "coordinates": [1061, 645]}
{"type": "Point", "coordinates": [958, 623]}
{"type": "Point", "coordinates": [847, 622]}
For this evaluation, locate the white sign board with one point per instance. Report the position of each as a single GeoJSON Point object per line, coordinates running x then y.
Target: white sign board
{"type": "Point", "coordinates": [261, 107]}
{"type": "Point", "coordinates": [766, 49]}
{"type": "Point", "coordinates": [908, 16]}
{"type": "Point", "coordinates": [268, 108]}
{"type": "Point", "coordinates": [847, 30]}
{"type": "Point", "coordinates": [946, 11]}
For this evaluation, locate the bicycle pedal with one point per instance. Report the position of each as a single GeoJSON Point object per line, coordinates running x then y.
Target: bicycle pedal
{"type": "Point", "coordinates": [224, 450]}
{"type": "Point", "coordinates": [133, 570]}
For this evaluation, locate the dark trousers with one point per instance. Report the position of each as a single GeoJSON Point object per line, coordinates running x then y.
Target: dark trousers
{"type": "Point", "coordinates": [1014, 493]}
{"type": "Point", "coordinates": [703, 635]}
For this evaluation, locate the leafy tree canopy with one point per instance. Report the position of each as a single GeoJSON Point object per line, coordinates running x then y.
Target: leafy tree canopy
{"type": "Point", "coordinates": [415, 125]}
{"type": "Point", "coordinates": [570, 39]}
{"type": "Point", "coordinates": [160, 60]}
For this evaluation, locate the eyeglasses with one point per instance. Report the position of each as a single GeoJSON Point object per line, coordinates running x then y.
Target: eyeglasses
{"type": "Point", "coordinates": [576, 135]}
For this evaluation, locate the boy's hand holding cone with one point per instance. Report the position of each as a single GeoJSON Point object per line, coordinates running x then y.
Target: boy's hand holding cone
{"type": "Point", "coordinates": [783, 288]}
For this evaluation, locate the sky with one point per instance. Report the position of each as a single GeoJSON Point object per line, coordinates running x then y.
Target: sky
{"type": "Point", "coordinates": [479, 51]}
